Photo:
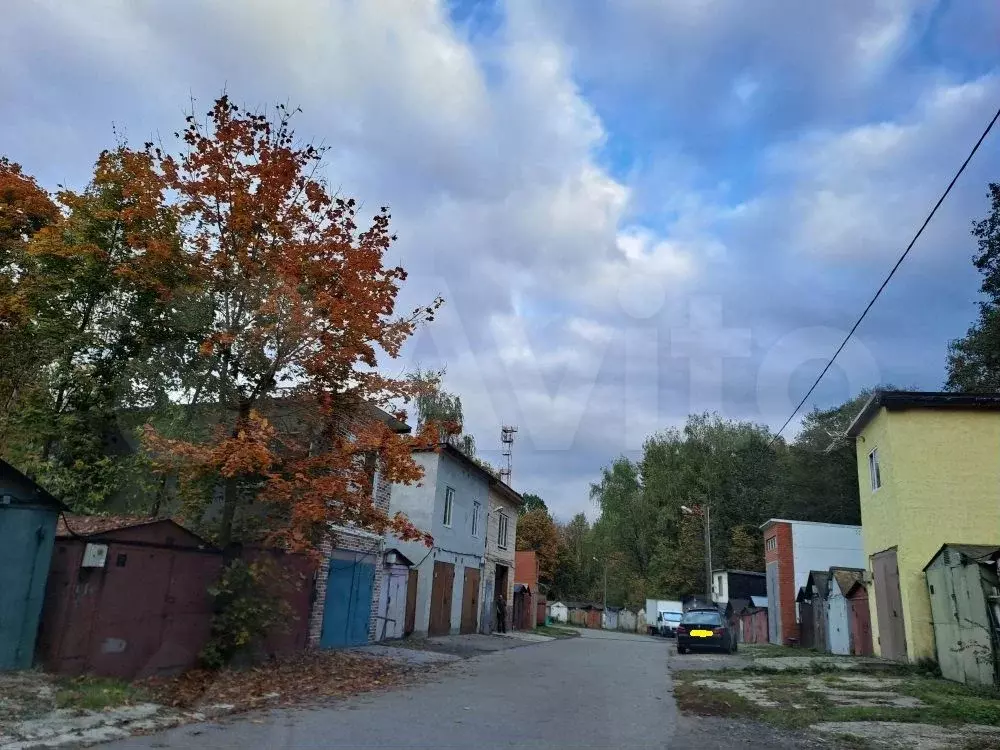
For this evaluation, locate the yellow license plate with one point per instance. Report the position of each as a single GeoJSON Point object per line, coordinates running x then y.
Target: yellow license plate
{"type": "Point", "coordinates": [701, 633]}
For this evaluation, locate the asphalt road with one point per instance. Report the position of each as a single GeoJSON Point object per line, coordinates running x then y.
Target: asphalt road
{"type": "Point", "coordinates": [600, 690]}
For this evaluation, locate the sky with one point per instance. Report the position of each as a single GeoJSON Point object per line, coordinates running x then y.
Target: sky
{"type": "Point", "coordinates": [634, 209]}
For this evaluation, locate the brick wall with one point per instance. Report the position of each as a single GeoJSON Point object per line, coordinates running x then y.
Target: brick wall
{"type": "Point", "coordinates": [361, 545]}
{"type": "Point", "coordinates": [526, 569]}
{"type": "Point", "coordinates": [786, 576]}
{"type": "Point", "coordinates": [497, 556]}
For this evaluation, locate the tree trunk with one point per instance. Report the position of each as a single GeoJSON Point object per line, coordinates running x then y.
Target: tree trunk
{"type": "Point", "coordinates": [230, 492]}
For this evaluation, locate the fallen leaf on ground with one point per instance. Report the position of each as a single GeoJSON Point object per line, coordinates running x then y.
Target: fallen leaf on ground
{"type": "Point", "coordinates": [304, 676]}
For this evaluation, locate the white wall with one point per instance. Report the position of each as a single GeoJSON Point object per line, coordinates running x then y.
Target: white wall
{"type": "Point", "coordinates": [821, 546]}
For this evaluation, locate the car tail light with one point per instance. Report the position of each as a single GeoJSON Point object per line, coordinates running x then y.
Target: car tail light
{"type": "Point", "coordinates": [682, 630]}
{"type": "Point", "coordinates": [718, 631]}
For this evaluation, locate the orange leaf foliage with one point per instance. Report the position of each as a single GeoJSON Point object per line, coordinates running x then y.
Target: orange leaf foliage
{"type": "Point", "coordinates": [299, 305]}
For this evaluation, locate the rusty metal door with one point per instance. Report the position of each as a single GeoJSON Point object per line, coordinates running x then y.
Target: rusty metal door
{"type": "Point", "coordinates": [861, 626]}
{"type": "Point", "coordinates": [470, 601]}
{"type": "Point", "coordinates": [444, 581]}
{"type": "Point", "coordinates": [411, 601]}
{"type": "Point", "coordinates": [889, 606]}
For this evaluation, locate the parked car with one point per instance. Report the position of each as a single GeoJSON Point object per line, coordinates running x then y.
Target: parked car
{"type": "Point", "coordinates": [705, 629]}
{"type": "Point", "coordinates": [667, 622]}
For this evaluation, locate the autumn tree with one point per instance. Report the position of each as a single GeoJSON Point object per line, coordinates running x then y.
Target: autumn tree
{"type": "Point", "coordinates": [537, 532]}
{"type": "Point", "coordinates": [292, 307]}
{"type": "Point", "coordinates": [96, 281]}
{"type": "Point", "coordinates": [24, 210]}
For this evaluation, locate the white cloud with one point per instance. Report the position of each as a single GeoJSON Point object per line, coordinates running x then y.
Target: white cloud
{"type": "Point", "coordinates": [863, 191]}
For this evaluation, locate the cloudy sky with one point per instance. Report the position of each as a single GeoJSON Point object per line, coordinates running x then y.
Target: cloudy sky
{"type": "Point", "coordinates": [635, 209]}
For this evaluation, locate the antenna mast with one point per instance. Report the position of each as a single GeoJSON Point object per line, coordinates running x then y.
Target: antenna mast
{"type": "Point", "coordinates": [507, 433]}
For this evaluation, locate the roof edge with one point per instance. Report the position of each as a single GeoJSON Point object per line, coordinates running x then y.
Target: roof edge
{"type": "Point", "coordinates": [897, 400]}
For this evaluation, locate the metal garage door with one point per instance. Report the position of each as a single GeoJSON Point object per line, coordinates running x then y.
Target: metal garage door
{"type": "Point", "coordinates": [773, 604]}
{"type": "Point", "coordinates": [348, 606]}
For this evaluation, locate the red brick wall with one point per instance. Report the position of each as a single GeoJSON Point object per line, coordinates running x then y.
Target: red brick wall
{"type": "Point", "coordinates": [786, 576]}
{"type": "Point", "coordinates": [526, 569]}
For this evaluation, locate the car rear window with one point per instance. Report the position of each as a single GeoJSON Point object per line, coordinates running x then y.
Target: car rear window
{"type": "Point", "coordinates": [702, 618]}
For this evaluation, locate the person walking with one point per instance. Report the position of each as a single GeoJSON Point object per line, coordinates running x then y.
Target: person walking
{"type": "Point", "coordinates": [501, 613]}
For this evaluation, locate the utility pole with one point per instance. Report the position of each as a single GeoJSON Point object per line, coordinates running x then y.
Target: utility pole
{"type": "Point", "coordinates": [708, 553]}
{"type": "Point", "coordinates": [605, 585]}
{"type": "Point", "coordinates": [605, 582]}
{"type": "Point", "coordinates": [705, 513]}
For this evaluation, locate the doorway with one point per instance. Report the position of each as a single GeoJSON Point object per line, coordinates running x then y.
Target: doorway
{"type": "Point", "coordinates": [889, 606]}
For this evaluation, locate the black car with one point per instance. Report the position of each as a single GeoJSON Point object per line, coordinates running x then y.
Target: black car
{"type": "Point", "coordinates": [704, 629]}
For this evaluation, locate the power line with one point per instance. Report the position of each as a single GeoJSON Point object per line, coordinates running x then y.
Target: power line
{"type": "Point", "coordinates": [891, 274]}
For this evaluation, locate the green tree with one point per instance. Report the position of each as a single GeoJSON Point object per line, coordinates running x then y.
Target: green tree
{"type": "Point", "coordinates": [437, 406]}
{"type": "Point", "coordinates": [818, 478]}
{"type": "Point", "coordinates": [974, 360]}
{"type": "Point", "coordinates": [99, 281]}
{"type": "Point", "coordinates": [746, 549]}
{"type": "Point", "coordinates": [532, 502]}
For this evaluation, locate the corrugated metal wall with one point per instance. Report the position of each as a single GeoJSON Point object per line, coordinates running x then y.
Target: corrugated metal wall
{"type": "Point", "coordinates": [961, 621]}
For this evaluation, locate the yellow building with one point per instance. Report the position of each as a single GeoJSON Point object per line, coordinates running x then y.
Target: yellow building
{"type": "Point", "coordinates": [929, 473]}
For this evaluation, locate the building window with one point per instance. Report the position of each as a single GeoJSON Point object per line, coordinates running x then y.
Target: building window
{"type": "Point", "coordinates": [873, 469]}
{"type": "Point", "coordinates": [475, 519]}
{"type": "Point", "coordinates": [503, 522]}
{"type": "Point", "coordinates": [771, 543]}
{"type": "Point", "coordinates": [449, 502]}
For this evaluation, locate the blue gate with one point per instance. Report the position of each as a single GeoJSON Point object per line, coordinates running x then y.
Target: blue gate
{"type": "Point", "coordinates": [26, 537]}
{"type": "Point", "coordinates": [348, 607]}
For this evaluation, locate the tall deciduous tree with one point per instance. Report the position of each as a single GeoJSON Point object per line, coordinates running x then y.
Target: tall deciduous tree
{"type": "Point", "coordinates": [293, 304]}
{"type": "Point", "coordinates": [746, 549]}
{"type": "Point", "coordinates": [97, 280]}
{"type": "Point", "coordinates": [974, 360]}
{"type": "Point", "coordinates": [436, 406]}
{"type": "Point", "coordinates": [532, 502]}
{"type": "Point", "coordinates": [24, 210]}
{"type": "Point", "coordinates": [536, 531]}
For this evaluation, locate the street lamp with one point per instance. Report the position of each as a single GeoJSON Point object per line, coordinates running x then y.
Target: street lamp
{"type": "Point", "coordinates": [703, 510]}
{"type": "Point", "coordinates": [605, 583]}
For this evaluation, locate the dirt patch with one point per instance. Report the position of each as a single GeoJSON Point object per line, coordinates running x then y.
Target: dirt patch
{"type": "Point", "coordinates": [884, 709]}
{"type": "Point", "coordinates": [748, 688]}
{"type": "Point", "coordinates": [876, 696]}
{"type": "Point", "coordinates": [913, 736]}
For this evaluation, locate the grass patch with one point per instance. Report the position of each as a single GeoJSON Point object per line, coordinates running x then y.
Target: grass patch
{"type": "Point", "coordinates": [947, 703]}
{"type": "Point", "coordinates": [556, 632]}
{"type": "Point", "coordinates": [97, 693]}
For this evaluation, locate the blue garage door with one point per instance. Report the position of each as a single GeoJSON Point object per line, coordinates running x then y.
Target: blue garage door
{"type": "Point", "coordinates": [26, 537]}
{"type": "Point", "coordinates": [348, 604]}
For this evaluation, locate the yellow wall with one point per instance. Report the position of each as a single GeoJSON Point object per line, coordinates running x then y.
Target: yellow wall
{"type": "Point", "coordinates": [940, 473]}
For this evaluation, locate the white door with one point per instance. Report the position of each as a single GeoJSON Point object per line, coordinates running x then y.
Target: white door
{"type": "Point", "coordinates": [393, 602]}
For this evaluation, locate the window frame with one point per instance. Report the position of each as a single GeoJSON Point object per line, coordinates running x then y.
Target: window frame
{"type": "Point", "coordinates": [771, 543]}
{"type": "Point", "coordinates": [476, 506]}
{"type": "Point", "coordinates": [449, 507]}
{"type": "Point", "coordinates": [503, 530]}
{"type": "Point", "coordinates": [874, 470]}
